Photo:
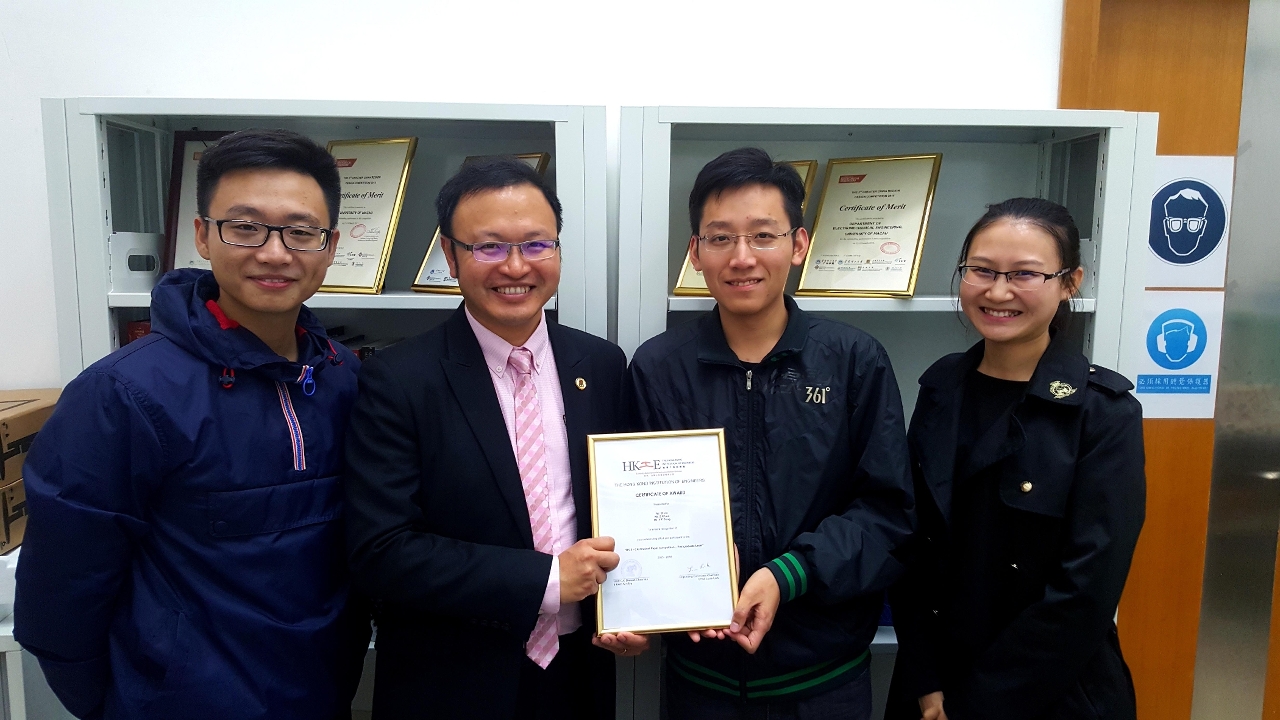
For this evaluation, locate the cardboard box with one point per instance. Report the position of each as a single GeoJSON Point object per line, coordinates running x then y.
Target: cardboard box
{"type": "Point", "coordinates": [13, 515]}
{"type": "Point", "coordinates": [22, 414]}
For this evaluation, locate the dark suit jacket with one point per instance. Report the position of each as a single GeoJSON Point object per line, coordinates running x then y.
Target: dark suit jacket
{"type": "Point", "coordinates": [438, 530]}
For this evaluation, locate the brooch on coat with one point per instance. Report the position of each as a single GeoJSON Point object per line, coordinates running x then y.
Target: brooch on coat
{"type": "Point", "coordinates": [1059, 389]}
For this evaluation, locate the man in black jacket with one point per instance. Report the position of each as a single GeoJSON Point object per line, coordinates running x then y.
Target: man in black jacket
{"type": "Point", "coordinates": [468, 515]}
{"type": "Point", "coordinates": [819, 483]}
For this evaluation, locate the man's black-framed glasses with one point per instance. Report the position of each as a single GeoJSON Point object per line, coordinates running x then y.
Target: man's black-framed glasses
{"type": "Point", "coordinates": [250, 233]}
{"type": "Point", "coordinates": [496, 252]}
{"type": "Point", "coordinates": [722, 242]}
{"type": "Point", "coordinates": [982, 277]}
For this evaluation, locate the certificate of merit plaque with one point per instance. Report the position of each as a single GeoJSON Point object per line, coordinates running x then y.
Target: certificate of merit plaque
{"type": "Point", "coordinates": [433, 275]}
{"type": "Point", "coordinates": [374, 176]}
{"type": "Point", "coordinates": [664, 499]}
{"type": "Point", "coordinates": [870, 228]}
{"type": "Point", "coordinates": [691, 281]}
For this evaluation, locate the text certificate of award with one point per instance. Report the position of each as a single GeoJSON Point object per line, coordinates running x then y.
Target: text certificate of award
{"type": "Point", "coordinates": [664, 499]}
{"type": "Point", "coordinates": [374, 175]}
{"type": "Point", "coordinates": [870, 228]}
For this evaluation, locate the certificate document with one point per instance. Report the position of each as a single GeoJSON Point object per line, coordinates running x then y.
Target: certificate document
{"type": "Point", "coordinates": [664, 499]}
{"type": "Point", "coordinates": [433, 275]}
{"type": "Point", "coordinates": [374, 175]}
{"type": "Point", "coordinates": [180, 215]}
{"type": "Point", "coordinates": [870, 228]}
{"type": "Point", "coordinates": [691, 281]}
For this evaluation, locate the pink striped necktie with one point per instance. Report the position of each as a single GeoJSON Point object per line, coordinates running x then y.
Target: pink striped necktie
{"type": "Point", "coordinates": [531, 456]}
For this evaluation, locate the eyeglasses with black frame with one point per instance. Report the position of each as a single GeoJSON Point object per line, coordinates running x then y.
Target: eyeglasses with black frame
{"type": "Point", "coordinates": [982, 277]}
{"type": "Point", "coordinates": [723, 242]}
{"type": "Point", "coordinates": [496, 252]}
{"type": "Point", "coordinates": [250, 233]}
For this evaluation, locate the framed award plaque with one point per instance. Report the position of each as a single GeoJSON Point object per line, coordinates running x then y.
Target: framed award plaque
{"type": "Point", "coordinates": [870, 229]}
{"type": "Point", "coordinates": [374, 176]}
{"type": "Point", "coordinates": [691, 281]}
{"type": "Point", "coordinates": [180, 213]}
{"type": "Point", "coordinates": [433, 276]}
{"type": "Point", "coordinates": [664, 499]}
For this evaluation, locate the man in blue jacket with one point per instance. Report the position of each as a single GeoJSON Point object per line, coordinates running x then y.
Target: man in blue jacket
{"type": "Point", "coordinates": [184, 554]}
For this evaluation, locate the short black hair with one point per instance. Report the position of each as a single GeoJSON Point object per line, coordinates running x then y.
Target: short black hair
{"type": "Point", "coordinates": [492, 173]}
{"type": "Point", "coordinates": [268, 149]}
{"type": "Point", "coordinates": [742, 167]}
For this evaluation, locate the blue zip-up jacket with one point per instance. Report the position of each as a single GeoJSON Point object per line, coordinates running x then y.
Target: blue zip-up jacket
{"type": "Point", "coordinates": [184, 555]}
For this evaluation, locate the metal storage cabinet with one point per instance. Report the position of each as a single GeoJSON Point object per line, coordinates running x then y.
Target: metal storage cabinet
{"type": "Point", "coordinates": [1097, 163]}
{"type": "Point", "coordinates": [105, 153]}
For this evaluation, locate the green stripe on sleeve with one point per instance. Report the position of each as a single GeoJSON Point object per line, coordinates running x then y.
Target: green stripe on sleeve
{"type": "Point", "coordinates": [791, 582]}
{"type": "Point", "coordinates": [804, 578]}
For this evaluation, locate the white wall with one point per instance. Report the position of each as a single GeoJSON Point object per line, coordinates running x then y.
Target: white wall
{"type": "Point", "coordinates": [815, 53]}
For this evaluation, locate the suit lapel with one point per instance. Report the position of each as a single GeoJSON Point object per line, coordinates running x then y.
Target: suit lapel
{"type": "Point", "coordinates": [473, 389]}
{"type": "Point", "coordinates": [573, 366]}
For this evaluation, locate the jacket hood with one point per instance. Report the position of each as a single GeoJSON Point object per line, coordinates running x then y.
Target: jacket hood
{"type": "Point", "coordinates": [181, 312]}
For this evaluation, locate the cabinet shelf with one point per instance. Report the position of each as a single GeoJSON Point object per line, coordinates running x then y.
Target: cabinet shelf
{"type": "Point", "coordinates": [920, 303]}
{"type": "Point", "coordinates": [392, 300]}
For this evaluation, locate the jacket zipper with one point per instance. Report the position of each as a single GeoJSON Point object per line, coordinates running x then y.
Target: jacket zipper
{"type": "Point", "coordinates": [295, 428]}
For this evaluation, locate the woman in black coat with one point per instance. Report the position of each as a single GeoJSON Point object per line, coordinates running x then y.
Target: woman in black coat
{"type": "Point", "coordinates": [1029, 483]}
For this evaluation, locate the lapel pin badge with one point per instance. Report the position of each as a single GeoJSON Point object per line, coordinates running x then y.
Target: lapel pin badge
{"type": "Point", "coordinates": [1060, 390]}
{"type": "Point", "coordinates": [582, 384]}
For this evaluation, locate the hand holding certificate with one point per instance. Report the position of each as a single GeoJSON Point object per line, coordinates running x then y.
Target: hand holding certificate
{"type": "Point", "coordinates": [663, 498]}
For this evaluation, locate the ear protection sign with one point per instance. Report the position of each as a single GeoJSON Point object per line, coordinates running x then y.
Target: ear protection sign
{"type": "Point", "coordinates": [1176, 325]}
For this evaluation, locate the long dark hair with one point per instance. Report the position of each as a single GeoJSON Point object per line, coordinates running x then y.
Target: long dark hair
{"type": "Point", "coordinates": [1048, 216]}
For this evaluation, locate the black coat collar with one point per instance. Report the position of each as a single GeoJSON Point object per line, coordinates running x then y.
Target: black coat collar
{"type": "Point", "coordinates": [713, 347]}
{"type": "Point", "coordinates": [1060, 376]}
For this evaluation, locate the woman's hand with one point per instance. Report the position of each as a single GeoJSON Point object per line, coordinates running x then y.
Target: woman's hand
{"type": "Point", "coordinates": [931, 707]}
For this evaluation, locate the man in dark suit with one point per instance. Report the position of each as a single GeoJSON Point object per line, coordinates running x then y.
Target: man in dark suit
{"type": "Point", "coordinates": [469, 516]}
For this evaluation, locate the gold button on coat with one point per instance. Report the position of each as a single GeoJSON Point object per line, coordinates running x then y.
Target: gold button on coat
{"type": "Point", "coordinates": [1026, 486]}
{"type": "Point", "coordinates": [582, 384]}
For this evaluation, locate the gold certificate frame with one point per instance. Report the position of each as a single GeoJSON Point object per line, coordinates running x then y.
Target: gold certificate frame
{"type": "Point", "coordinates": [374, 175]}
{"type": "Point", "coordinates": [691, 281]}
{"type": "Point", "coordinates": [653, 492]}
{"type": "Point", "coordinates": [433, 275]}
{"type": "Point", "coordinates": [871, 225]}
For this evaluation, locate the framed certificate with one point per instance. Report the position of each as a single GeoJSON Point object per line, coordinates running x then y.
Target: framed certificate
{"type": "Point", "coordinates": [664, 499]}
{"type": "Point", "coordinates": [691, 281]}
{"type": "Point", "coordinates": [870, 229]}
{"type": "Point", "coordinates": [433, 276]}
{"type": "Point", "coordinates": [180, 212]}
{"type": "Point", "coordinates": [374, 176]}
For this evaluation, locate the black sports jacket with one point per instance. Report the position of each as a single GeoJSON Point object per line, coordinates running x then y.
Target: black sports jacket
{"type": "Point", "coordinates": [819, 485]}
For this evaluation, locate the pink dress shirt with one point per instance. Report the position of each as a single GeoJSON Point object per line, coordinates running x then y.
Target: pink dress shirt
{"type": "Point", "coordinates": [546, 378]}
